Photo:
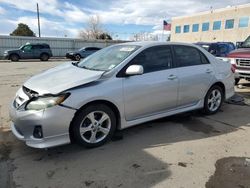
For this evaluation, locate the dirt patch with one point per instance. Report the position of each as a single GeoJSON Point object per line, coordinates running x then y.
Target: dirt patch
{"type": "Point", "coordinates": [231, 172]}
{"type": "Point", "coordinates": [5, 149]}
{"type": "Point", "coordinates": [193, 124]}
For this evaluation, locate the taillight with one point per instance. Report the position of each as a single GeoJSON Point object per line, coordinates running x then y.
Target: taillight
{"type": "Point", "coordinates": [233, 68]}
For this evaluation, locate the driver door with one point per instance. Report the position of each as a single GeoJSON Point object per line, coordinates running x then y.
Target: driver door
{"type": "Point", "coordinates": [27, 52]}
{"type": "Point", "coordinates": [154, 91]}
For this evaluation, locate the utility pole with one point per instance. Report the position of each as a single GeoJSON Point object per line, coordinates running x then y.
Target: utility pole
{"type": "Point", "coordinates": [38, 20]}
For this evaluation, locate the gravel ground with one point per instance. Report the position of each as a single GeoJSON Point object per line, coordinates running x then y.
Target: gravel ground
{"type": "Point", "coordinates": [185, 151]}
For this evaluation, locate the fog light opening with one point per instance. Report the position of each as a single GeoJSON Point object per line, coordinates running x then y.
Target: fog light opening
{"type": "Point", "coordinates": [38, 132]}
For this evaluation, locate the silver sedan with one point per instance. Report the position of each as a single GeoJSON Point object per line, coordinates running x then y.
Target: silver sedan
{"type": "Point", "coordinates": [115, 88]}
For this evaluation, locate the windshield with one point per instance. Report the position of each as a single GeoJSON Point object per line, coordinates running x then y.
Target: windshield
{"type": "Point", "coordinates": [246, 43]}
{"type": "Point", "coordinates": [81, 49]}
{"type": "Point", "coordinates": [108, 58]}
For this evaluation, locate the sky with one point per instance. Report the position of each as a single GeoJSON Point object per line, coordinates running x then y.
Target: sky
{"type": "Point", "coordinates": [120, 18]}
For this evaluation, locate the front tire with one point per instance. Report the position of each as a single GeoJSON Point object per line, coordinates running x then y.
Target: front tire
{"type": "Point", "coordinates": [213, 100]}
{"type": "Point", "coordinates": [94, 125]}
{"type": "Point", "coordinates": [14, 57]}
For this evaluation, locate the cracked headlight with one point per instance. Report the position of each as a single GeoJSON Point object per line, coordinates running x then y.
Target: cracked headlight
{"type": "Point", "coordinates": [44, 102]}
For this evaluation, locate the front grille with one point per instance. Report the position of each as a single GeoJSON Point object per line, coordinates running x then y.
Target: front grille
{"type": "Point", "coordinates": [244, 75]}
{"type": "Point", "coordinates": [243, 62]}
{"type": "Point", "coordinates": [20, 100]}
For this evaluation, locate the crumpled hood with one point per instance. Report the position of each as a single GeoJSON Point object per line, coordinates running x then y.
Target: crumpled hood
{"type": "Point", "coordinates": [61, 78]}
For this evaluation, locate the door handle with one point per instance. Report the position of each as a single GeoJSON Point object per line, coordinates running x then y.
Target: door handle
{"type": "Point", "coordinates": [209, 71]}
{"type": "Point", "coordinates": [172, 77]}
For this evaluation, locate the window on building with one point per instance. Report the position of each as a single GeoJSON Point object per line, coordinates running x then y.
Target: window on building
{"type": "Point", "coordinates": [205, 26]}
{"type": "Point", "coordinates": [195, 28]}
{"type": "Point", "coordinates": [243, 22]}
{"type": "Point", "coordinates": [186, 29]}
{"type": "Point", "coordinates": [217, 25]}
{"type": "Point", "coordinates": [178, 29]}
{"type": "Point", "coordinates": [229, 24]}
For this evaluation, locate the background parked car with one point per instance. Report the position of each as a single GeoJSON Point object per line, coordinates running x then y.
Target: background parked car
{"type": "Point", "coordinates": [29, 51]}
{"type": "Point", "coordinates": [218, 49]}
{"type": "Point", "coordinates": [81, 53]}
{"type": "Point", "coordinates": [240, 60]}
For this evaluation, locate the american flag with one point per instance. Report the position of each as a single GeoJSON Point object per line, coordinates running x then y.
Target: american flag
{"type": "Point", "coordinates": [166, 26]}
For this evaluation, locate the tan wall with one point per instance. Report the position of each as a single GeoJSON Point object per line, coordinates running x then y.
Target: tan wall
{"type": "Point", "coordinates": [227, 35]}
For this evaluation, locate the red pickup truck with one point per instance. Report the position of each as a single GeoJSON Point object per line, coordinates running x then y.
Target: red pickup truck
{"type": "Point", "coordinates": [240, 60]}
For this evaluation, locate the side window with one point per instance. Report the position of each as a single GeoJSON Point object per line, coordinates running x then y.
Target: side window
{"type": "Point", "coordinates": [204, 60]}
{"type": "Point", "coordinates": [154, 59]}
{"type": "Point", "coordinates": [94, 48]}
{"type": "Point", "coordinates": [223, 48]}
{"type": "Point", "coordinates": [187, 56]}
{"type": "Point", "coordinates": [27, 48]}
{"type": "Point", "coordinates": [36, 47]}
{"type": "Point", "coordinates": [89, 49]}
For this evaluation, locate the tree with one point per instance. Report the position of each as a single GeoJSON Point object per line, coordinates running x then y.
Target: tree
{"type": "Point", "coordinates": [23, 30]}
{"type": "Point", "coordinates": [94, 30]}
{"type": "Point", "coordinates": [104, 36]}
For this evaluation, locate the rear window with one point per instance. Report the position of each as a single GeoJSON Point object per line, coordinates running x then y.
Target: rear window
{"type": "Point", "coordinates": [45, 46]}
{"type": "Point", "coordinates": [188, 56]}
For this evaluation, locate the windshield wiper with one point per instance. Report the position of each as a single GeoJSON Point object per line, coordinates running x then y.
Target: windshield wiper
{"type": "Point", "coordinates": [90, 68]}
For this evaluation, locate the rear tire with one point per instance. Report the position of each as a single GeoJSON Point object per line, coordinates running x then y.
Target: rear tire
{"type": "Point", "coordinates": [44, 57]}
{"type": "Point", "coordinates": [213, 100]}
{"type": "Point", "coordinates": [93, 125]}
{"type": "Point", "coordinates": [14, 57]}
{"type": "Point", "coordinates": [237, 80]}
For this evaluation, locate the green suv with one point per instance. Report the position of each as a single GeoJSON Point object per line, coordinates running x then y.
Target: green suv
{"type": "Point", "coordinates": [29, 51]}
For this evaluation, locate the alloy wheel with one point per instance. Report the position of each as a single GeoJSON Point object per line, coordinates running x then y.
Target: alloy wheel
{"type": "Point", "coordinates": [95, 127]}
{"type": "Point", "coordinates": [214, 100]}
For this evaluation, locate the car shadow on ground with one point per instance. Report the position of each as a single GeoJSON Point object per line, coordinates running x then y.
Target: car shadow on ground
{"type": "Point", "coordinates": [122, 163]}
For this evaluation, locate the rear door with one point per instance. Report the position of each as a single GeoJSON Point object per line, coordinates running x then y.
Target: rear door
{"type": "Point", "coordinates": [195, 74]}
{"type": "Point", "coordinates": [36, 49]}
{"type": "Point", "coordinates": [155, 90]}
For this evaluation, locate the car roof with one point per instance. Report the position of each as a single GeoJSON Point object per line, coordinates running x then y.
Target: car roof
{"type": "Point", "coordinates": [155, 43]}
{"type": "Point", "coordinates": [37, 44]}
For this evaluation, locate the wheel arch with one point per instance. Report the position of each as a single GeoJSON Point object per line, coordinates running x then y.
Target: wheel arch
{"type": "Point", "coordinates": [14, 54]}
{"type": "Point", "coordinates": [78, 54]}
{"type": "Point", "coordinates": [221, 85]}
{"type": "Point", "coordinates": [44, 53]}
{"type": "Point", "coordinates": [111, 105]}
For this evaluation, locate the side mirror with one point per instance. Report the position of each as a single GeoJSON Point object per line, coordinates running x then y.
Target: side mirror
{"type": "Point", "coordinates": [134, 70]}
